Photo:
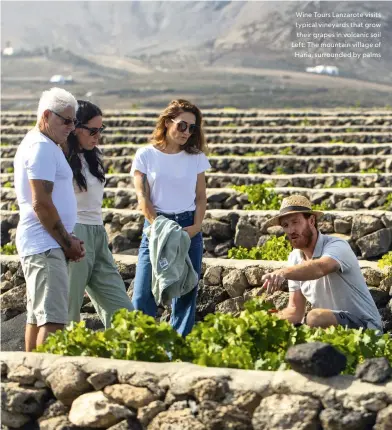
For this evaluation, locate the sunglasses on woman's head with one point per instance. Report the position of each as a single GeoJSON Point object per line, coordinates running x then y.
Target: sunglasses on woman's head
{"type": "Point", "coordinates": [67, 121]}
{"type": "Point", "coordinates": [182, 126]}
{"type": "Point", "coordinates": [93, 130]}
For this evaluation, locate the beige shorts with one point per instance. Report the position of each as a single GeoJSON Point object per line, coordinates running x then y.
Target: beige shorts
{"type": "Point", "coordinates": [47, 287]}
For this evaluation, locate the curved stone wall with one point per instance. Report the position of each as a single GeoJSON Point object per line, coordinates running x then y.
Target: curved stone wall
{"type": "Point", "coordinates": [55, 392]}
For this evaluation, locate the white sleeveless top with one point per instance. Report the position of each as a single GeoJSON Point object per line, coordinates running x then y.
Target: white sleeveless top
{"type": "Point", "coordinates": [89, 202]}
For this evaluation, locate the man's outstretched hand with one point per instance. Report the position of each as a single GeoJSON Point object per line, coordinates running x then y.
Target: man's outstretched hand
{"type": "Point", "coordinates": [273, 281]}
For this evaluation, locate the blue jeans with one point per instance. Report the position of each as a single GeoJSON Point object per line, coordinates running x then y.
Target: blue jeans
{"type": "Point", "coordinates": [183, 308]}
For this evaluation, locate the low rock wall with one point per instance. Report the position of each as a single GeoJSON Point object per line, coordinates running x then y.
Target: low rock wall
{"type": "Point", "coordinates": [265, 165]}
{"type": "Point", "coordinates": [301, 149]}
{"type": "Point", "coordinates": [223, 180]}
{"type": "Point", "coordinates": [340, 199]}
{"type": "Point", "coordinates": [218, 120]}
{"type": "Point", "coordinates": [224, 287]}
{"type": "Point", "coordinates": [292, 165]}
{"type": "Point", "coordinates": [350, 199]}
{"type": "Point", "coordinates": [135, 136]}
{"type": "Point", "coordinates": [210, 127]}
{"type": "Point", "coordinates": [369, 233]}
{"type": "Point", "coordinates": [245, 150]}
{"type": "Point", "coordinates": [270, 165]}
{"type": "Point", "coordinates": [315, 181]}
{"type": "Point", "coordinates": [53, 392]}
{"type": "Point", "coordinates": [342, 114]}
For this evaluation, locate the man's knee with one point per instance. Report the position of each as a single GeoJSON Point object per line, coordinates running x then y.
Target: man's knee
{"type": "Point", "coordinates": [320, 318]}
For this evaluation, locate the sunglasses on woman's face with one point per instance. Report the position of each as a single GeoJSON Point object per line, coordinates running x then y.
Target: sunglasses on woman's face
{"type": "Point", "coordinates": [93, 130]}
{"type": "Point", "coordinates": [182, 126]}
{"type": "Point", "coordinates": [67, 121]}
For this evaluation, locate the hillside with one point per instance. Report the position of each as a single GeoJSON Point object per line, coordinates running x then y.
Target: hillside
{"type": "Point", "coordinates": [168, 34]}
{"type": "Point", "coordinates": [117, 88]}
{"type": "Point", "coordinates": [218, 53]}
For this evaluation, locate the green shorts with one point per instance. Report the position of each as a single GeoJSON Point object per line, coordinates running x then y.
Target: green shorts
{"type": "Point", "coordinates": [47, 287]}
{"type": "Point", "coordinates": [97, 274]}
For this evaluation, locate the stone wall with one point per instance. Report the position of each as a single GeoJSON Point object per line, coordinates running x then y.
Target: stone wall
{"type": "Point", "coordinates": [346, 116]}
{"type": "Point", "coordinates": [223, 180]}
{"type": "Point", "coordinates": [272, 164]}
{"type": "Point", "coordinates": [218, 119]}
{"type": "Point", "coordinates": [238, 127]}
{"type": "Point", "coordinates": [55, 392]}
{"type": "Point", "coordinates": [300, 149]}
{"type": "Point", "coordinates": [340, 199]}
{"type": "Point", "coordinates": [266, 165]}
{"type": "Point", "coordinates": [225, 286]}
{"type": "Point", "coordinates": [292, 165]}
{"type": "Point", "coordinates": [248, 150]}
{"type": "Point", "coordinates": [369, 233]}
{"type": "Point", "coordinates": [139, 135]}
{"type": "Point", "coordinates": [335, 199]}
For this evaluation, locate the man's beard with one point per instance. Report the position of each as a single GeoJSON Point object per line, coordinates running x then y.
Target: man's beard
{"type": "Point", "coordinates": [304, 240]}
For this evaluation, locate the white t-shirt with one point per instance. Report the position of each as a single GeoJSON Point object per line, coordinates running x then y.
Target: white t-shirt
{"type": "Point", "coordinates": [89, 202]}
{"type": "Point", "coordinates": [38, 157]}
{"type": "Point", "coordinates": [172, 177]}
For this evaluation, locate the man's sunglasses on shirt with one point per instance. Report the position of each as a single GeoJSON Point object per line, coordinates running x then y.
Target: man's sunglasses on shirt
{"type": "Point", "coordinates": [67, 121]}
{"type": "Point", "coordinates": [93, 130]}
{"type": "Point", "coordinates": [182, 126]}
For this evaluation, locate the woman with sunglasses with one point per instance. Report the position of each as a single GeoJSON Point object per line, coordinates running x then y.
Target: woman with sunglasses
{"type": "Point", "coordinates": [169, 180]}
{"type": "Point", "coordinates": [97, 272]}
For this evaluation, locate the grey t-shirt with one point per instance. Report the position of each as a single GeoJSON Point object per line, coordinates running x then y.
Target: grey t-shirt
{"type": "Point", "coordinates": [344, 290]}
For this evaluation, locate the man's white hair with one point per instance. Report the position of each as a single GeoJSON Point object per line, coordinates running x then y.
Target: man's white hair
{"type": "Point", "coordinates": [55, 99]}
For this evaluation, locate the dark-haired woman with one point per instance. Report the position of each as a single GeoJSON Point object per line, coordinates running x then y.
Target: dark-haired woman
{"type": "Point", "coordinates": [97, 272]}
{"type": "Point", "coordinates": [170, 181]}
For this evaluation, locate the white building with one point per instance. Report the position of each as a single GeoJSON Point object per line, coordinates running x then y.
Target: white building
{"type": "Point", "coordinates": [60, 79]}
{"type": "Point", "coordinates": [9, 50]}
{"type": "Point", "coordinates": [324, 70]}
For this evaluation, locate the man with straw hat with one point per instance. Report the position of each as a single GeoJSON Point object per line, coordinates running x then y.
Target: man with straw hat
{"type": "Point", "coordinates": [322, 270]}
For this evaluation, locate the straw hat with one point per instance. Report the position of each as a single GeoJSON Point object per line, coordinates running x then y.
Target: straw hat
{"type": "Point", "coordinates": [292, 205]}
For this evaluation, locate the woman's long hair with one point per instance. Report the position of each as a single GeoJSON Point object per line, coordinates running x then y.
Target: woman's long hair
{"type": "Point", "coordinates": [86, 111]}
{"type": "Point", "coordinates": [196, 142]}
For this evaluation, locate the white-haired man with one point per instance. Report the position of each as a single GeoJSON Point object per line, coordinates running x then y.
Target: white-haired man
{"type": "Point", "coordinates": [323, 270]}
{"type": "Point", "coordinates": [44, 189]}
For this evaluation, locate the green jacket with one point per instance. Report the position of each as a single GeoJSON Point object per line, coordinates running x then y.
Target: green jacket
{"type": "Point", "coordinates": [172, 271]}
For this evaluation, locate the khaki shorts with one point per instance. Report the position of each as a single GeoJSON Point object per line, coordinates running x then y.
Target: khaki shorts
{"type": "Point", "coordinates": [47, 287]}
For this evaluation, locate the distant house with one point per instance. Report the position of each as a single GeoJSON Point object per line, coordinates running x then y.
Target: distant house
{"type": "Point", "coordinates": [324, 70]}
{"type": "Point", "coordinates": [8, 50]}
{"type": "Point", "coordinates": [60, 79]}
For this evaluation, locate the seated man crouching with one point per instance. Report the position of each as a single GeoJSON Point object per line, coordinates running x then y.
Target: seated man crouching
{"type": "Point", "coordinates": [323, 270]}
